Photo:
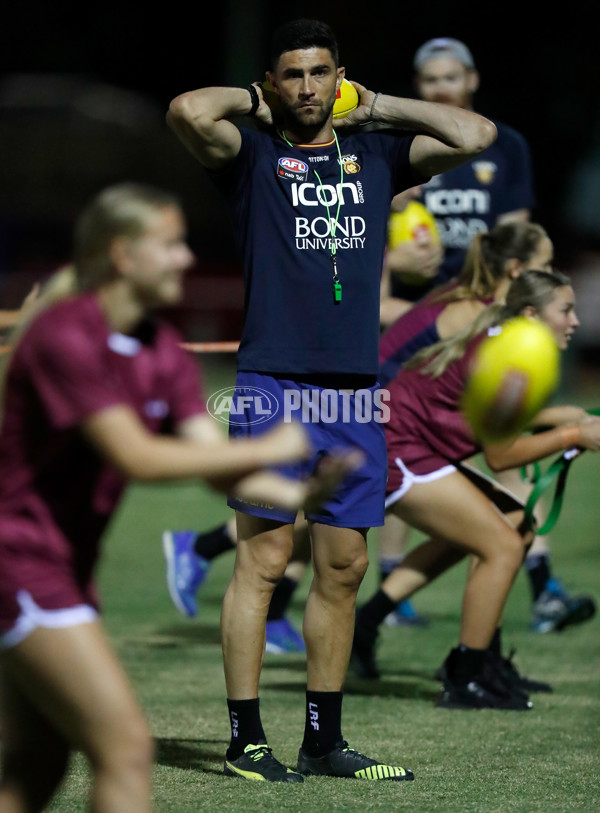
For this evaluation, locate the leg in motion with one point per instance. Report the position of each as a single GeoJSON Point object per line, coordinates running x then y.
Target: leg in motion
{"type": "Point", "coordinates": [71, 678]}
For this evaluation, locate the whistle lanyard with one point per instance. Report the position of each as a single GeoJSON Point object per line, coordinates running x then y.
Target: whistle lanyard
{"type": "Point", "coordinates": [336, 282]}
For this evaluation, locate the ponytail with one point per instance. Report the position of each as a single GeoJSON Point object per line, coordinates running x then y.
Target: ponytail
{"type": "Point", "coordinates": [436, 358]}
{"type": "Point", "coordinates": [486, 261]}
{"type": "Point", "coordinates": [533, 288]}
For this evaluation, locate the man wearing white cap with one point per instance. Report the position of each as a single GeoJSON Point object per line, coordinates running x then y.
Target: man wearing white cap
{"type": "Point", "coordinates": [494, 187]}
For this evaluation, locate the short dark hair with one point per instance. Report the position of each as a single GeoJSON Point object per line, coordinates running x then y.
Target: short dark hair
{"type": "Point", "coordinates": [297, 35]}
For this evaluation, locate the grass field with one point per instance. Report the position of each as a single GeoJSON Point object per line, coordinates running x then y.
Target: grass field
{"type": "Point", "coordinates": [543, 760]}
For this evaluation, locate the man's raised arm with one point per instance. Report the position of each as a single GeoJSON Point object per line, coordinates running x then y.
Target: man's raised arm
{"type": "Point", "coordinates": [448, 135]}
{"type": "Point", "coordinates": [200, 118]}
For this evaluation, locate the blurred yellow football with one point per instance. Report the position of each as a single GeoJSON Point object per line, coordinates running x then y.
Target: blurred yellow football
{"type": "Point", "coordinates": [346, 100]}
{"type": "Point", "coordinates": [514, 371]}
{"type": "Point", "coordinates": [414, 222]}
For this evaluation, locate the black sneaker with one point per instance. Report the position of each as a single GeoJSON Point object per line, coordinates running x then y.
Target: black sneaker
{"type": "Point", "coordinates": [508, 673]}
{"type": "Point", "coordinates": [258, 763]}
{"type": "Point", "coordinates": [480, 694]}
{"type": "Point", "coordinates": [516, 679]}
{"type": "Point", "coordinates": [491, 674]}
{"type": "Point", "coordinates": [348, 764]}
{"type": "Point", "coordinates": [362, 658]}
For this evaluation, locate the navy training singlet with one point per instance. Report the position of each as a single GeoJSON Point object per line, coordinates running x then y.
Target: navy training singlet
{"type": "Point", "coordinates": [468, 199]}
{"type": "Point", "coordinates": [282, 217]}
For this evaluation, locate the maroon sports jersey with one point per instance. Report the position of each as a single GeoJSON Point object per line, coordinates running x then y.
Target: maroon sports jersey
{"type": "Point", "coordinates": [56, 493]}
{"type": "Point", "coordinates": [415, 329]}
{"type": "Point", "coordinates": [426, 429]}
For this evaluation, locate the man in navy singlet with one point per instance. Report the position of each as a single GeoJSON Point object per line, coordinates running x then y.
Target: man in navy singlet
{"type": "Point", "coordinates": [492, 188]}
{"type": "Point", "coordinates": [309, 205]}
{"type": "Point", "coordinates": [294, 192]}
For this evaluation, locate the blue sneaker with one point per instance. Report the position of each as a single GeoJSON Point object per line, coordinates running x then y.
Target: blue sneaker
{"type": "Point", "coordinates": [405, 615]}
{"type": "Point", "coordinates": [555, 609]}
{"type": "Point", "coordinates": [186, 571]}
{"type": "Point", "coordinates": [282, 638]}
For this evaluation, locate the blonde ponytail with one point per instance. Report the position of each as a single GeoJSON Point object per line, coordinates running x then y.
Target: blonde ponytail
{"type": "Point", "coordinates": [61, 284]}
{"type": "Point", "coordinates": [533, 288]}
{"type": "Point", "coordinates": [436, 358]}
{"type": "Point", "coordinates": [485, 265]}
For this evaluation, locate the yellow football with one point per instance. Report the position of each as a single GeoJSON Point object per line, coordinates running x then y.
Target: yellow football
{"type": "Point", "coordinates": [346, 100]}
{"type": "Point", "coordinates": [515, 370]}
{"type": "Point", "coordinates": [415, 222]}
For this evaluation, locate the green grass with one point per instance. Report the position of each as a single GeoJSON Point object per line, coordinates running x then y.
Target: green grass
{"type": "Point", "coordinates": [543, 760]}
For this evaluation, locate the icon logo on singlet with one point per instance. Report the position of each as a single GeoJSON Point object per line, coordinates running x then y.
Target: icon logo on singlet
{"type": "Point", "coordinates": [242, 405]}
{"type": "Point", "coordinates": [292, 169]}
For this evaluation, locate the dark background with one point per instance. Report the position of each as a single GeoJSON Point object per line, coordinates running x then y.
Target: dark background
{"type": "Point", "coordinates": [84, 91]}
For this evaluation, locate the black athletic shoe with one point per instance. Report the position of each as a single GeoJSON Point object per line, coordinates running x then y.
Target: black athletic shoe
{"type": "Point", "coordinates": [258, 763]}
{"type": "Point", "coordinates": [515, 679]}
{"type": "Point", "coordinates": [348, 764]}
{"type": "Point", "coordinates": [489, 689]}
{"type": "Point", "coordinates": [362, 658]}
{"type": "Point", "coordinates": [507, 672]}
{"type": "Point", "coordinates": [480, 693]}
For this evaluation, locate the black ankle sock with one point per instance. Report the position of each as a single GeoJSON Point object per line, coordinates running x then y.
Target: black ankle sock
{"type": "Point", "coordinates": [465, 663]}
{"type": "Point", "coordinates": [375, 610]}
{"type": "Point", "coordinates": [281, 598]}
{"type": "Point", "coordinates": [212, 543]}
{"type": "Point", "coordinates": [538, 570]}
{"type": "Point", "coordinates": [323, 727]}
{"type": "Point", "coordinates": [246, 727]}
{"type": "Point", "coordinates": [496, 643]}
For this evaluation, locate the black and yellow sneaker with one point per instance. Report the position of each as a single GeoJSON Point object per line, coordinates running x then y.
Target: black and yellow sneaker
{"type": "Point", "coordinates": [348, 764]}
{"type": "Point", "coordinates": [258, 763]}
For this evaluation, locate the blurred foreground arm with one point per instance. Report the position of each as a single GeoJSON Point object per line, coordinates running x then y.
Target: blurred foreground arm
{"type": "Point", "coordinates": [233, 467]}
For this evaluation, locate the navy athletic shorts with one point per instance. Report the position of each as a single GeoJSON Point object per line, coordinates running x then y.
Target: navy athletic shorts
{"type": "Point", "coordinates": [336, 419]}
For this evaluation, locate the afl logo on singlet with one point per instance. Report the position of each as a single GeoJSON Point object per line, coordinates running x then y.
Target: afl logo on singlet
{"type": "Point", "coordinates": [292, 169]}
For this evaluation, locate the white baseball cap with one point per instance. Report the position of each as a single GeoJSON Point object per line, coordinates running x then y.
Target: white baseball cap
{"type": "Point", "coordinates": [443, 46]}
